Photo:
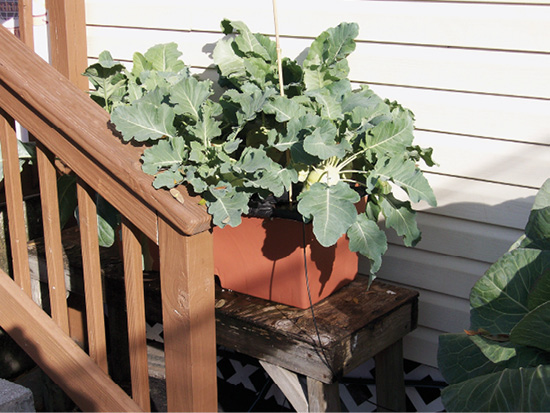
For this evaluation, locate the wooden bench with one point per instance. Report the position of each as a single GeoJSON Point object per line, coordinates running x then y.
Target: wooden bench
{"type": "Point", "coordinates": [347, 329]}
{"type": "Point", "coordinates": [342, 332]}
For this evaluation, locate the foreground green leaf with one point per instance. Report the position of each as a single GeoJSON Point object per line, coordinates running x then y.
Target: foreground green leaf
{"type": "Point", "coordinates": [517, 390]}
{"type": "Point", "coordinates": [534, 328]}
{"type": "Point", "coordinates": [499, 299]}
{"type": "Point", "coordinates": [460, 359]}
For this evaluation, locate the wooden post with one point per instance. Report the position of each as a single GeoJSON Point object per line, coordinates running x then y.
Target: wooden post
{"type": "Point", "coordinates": [91, 269]}
{"type": "Point", "coordinates": [135, 304]}
{"type": "Point", "coordinates": [26, 30]}
{"type": "Point", "coordinates": [68, 51]}
{"type": "Point", "coordinates": [52, 236]}
{"type": "Point", "coordinates": [14, 200]}
{"type": "Point", "coordinates": [187, 288]}
{"type": "Point", "coordinates": [390, 380]}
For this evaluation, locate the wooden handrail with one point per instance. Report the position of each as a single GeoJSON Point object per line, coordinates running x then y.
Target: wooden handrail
{"type": "Point", "coordinates": [77, 130]}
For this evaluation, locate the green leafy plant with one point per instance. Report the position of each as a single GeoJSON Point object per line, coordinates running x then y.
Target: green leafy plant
{"type": "Point", "coordinates": [315, 147]}
{"type": "Point", "coordinates": [503, 362]}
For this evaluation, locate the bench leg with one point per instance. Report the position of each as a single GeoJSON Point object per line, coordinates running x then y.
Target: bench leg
{"type": "Point", "coordinates": [289, 384]}
{"type": "Point", "coordinates": [390, 379]}
{"type": "Point", "coordinates": [323, 397]}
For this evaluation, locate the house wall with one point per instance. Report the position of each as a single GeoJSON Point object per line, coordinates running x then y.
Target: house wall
{"type": "Point", "coordinates": [475, 73]}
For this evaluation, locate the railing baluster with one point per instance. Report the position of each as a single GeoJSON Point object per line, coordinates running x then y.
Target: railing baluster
{"type": "Point", "coordinates": [91, 266]}
{"type": "Point", "coordinates": [52, 237]}
{"type": "Point", "coordinates": [26, 22]}
{"type": "Point", "coordinates": [187, 288]}
{"type": "Point", "coordinates": [135, 307]}
{"type": "Point", "coordinates": [14, 201]}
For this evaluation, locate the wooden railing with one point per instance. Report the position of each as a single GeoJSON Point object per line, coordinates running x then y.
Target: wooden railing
{"type": "Point", "coordinates": [69, 127]}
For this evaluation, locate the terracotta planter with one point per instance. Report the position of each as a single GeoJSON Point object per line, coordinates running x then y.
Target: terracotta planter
{"type": "Point", "coordinates": [265, 258]}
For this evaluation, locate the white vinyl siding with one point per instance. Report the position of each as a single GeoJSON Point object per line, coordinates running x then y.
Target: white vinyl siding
{"type": "Point", "coordinates": [475, 73]}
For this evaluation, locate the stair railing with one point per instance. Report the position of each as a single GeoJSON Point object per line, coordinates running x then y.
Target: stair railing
{"type": "Point", "coordinates": [69, 127]}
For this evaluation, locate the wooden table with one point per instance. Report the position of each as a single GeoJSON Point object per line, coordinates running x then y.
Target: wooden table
{"type": "Point", "coordinates": [350, 327]}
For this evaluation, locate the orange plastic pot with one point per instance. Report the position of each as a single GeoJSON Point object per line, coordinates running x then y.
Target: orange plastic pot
{"type": "Point", "coordinates": [267, 258]}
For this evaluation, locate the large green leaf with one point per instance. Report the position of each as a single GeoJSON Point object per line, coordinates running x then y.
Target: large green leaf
{"type": "Point", "coordinates": [366, 238]}
{"type": "Point", "coordinates": [284, 108]}
{"type": "Point", "coordinates": [165, 154]}
{"type": "Point", "coordinates": [400, 216]}
{"type": "Point", "coordinates": [227, 61]}
{"type": "Point", "coordinates": [322, 141]}
{"type": "Point", "coordinates": [144, 120]}
{"type": "Point", "coordinates": [140, 64]}
{"type": "Point", "coordinates": [268, 179]}
{"type": "Point", "coordinates": [188, 95]}
{"type": "Point", "coordinates": [164, 58]}
{"type": "Point", "coordinates": [534, 328]}
{"type": "Point", "coordinates": [246, 104]}
{"type": "Point", "coordinates": [540, 293]}
{"type": "Point", "coordinates": [332, 45]}
{"type": "Point", "coordinates": [227, 207]}
{"type": "Point", "coordinates": [248, 42]}
{"type": "Point", "coordinates": [253, 159]}
{"type": "Point", "coordinates": [325, 62]}
{"type": "Point", "coordinates": [168, 179]}
{"type": "Point", "coordinates": [260, 72]}
{"type": "Point", "coordinates": [331, 208]}
{"type": "Point", "coordinates": [460, 359]}
{"type": "Point", "coordinates": [499, 299]}
{"type": "Point", "coordinates": [406, 174]}
{"type": "Point", "coordinates": [207, 127]}
{"type": "Point", "coordinates": [511, 390]}
{"type": "Point", "coordinates": [107, 77]}
{"type": "Point", "coordinates": [390, 137]}
{"type": "Point", "coordinates": [330, 105]}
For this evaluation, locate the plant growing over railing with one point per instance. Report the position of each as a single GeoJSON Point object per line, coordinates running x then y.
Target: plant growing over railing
{"type": "Point", "coordinates": [318, 144]}
{"type": "Point", "coordinates": [503, 362]}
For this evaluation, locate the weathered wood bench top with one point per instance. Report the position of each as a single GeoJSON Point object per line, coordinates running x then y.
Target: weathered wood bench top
{"type": "Point", "coordinates": [353, 325]}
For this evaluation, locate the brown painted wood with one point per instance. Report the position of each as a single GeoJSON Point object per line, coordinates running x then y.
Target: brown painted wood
{"type": "Point", "coordinates": [59, 356]}
{"type": "Point", "coordinates": [26, 29]}
{"type": "Point", "coordinates": [114, 192]}
{"type": "Point", "coordinates": [93, 286]}
{"type": "Point", "coordinates": [390, 379]}
{"type": "Point", "coordinates": [67, 121]}
{"type": "Point", "coordinates": [52, 237]}
{"type": "Point", "coordinates": [187, 288]}
{"type": "Point", "coordinates": [135, 305]}
{"type": "Point", "coordinates": [354, 324]}
{"type": "Point", "coordinates": [14, 202]}
{"type": "Point", "coordinates": [67, 24]}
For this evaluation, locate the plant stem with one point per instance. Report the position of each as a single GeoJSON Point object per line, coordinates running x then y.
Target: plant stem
{"type": "Point", "coordinates": [279, 60]}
